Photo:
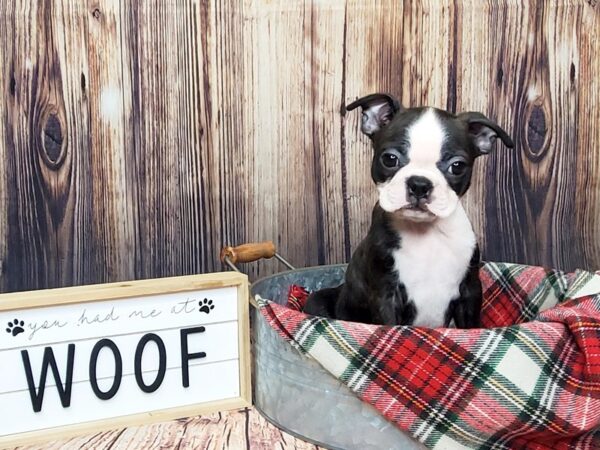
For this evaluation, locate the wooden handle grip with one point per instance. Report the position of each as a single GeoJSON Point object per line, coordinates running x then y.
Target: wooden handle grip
{"type": "Point", "coordinates": [249, 252]}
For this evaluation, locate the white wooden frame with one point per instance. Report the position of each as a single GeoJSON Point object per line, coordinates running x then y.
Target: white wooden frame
{"type": "Point", "coordinates": [124, 290]}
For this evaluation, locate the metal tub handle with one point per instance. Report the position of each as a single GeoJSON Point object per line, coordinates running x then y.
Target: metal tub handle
{"type": "Point", "coordinates": [251, 252]}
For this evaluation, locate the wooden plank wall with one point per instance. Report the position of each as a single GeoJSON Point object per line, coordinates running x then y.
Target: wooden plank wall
{"type": "Point", "coordinates": [244, 429]}
{"type": "Point", "coordinates": [137, 138]}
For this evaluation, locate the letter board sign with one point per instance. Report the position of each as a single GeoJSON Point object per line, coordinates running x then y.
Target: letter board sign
{"type": "Point", "coordinates": [76, 360]}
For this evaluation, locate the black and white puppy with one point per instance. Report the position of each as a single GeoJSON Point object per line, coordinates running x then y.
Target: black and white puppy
{"type": "Point", "coordinates": [419, 262]}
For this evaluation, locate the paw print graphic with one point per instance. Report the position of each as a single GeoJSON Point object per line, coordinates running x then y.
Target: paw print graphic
{"type": "Point", "coordinates": [15, 327]}
{"type": "Point", "coordinates": [206, 305]}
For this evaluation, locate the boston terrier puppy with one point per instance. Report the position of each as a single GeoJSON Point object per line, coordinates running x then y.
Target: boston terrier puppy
{"type": "Point", "coordinates": [419, 263]}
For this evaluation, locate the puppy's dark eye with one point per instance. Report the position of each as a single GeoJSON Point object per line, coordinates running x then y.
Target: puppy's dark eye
{"type": "Point", "coordinates": [457, 168]}
{"type": "Point", "coordinates": [390, 159]}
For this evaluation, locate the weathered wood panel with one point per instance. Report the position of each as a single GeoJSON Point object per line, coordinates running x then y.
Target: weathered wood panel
{"type": "Point", "coordinates": [531, 72]}
{"type": "Point", "coordinates": [234, 430]}
{"type": "Point", "coordinates": [137, 138]}
{"type": "Point", "coordinates": [283, 183]}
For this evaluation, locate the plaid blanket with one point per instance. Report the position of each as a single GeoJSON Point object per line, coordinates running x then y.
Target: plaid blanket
{"type": "Point", "coordinates": [530, 379]}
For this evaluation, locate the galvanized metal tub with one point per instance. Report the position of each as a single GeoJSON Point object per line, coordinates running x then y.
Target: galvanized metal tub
{"type": "Point", "coordinates": [296, 394]}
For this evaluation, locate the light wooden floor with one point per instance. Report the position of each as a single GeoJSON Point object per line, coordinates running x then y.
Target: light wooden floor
{"type": "Point", "coordinates": [240, 429]}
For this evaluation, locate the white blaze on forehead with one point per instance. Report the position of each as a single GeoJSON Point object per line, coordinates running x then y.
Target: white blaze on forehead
{"type": "Point", "coordinates": [426, 137]}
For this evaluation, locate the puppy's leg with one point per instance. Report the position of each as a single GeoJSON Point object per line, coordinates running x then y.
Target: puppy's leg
{"type": "Point", "coordinates": [466, 310]}
{"type": "Point", "coordinates": [387, 313]}
{"type": "Point", "coordinates": [395, 308]}
{"type": "Point", "coordinates": [322, 302]}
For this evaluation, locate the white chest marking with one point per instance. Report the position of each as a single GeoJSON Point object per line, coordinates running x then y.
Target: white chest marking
{"type": "Point", "coordinates": [432, 262]}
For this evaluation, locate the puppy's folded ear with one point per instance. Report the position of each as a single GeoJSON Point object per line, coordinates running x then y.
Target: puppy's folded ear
{"type": "Point", "coordinates": [483, 132]}
{"type": "Point", "coordinates": [377, 111]}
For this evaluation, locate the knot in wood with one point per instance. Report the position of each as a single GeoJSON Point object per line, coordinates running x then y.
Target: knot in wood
{"type": "Point", "coordinates": [536, 130]}
{"type": "Point", "coordinates": [53, 139]}
{"type": "Point", "coordinates": [499, 77]}
{"type": "Point", "coordinates": [13, 86]}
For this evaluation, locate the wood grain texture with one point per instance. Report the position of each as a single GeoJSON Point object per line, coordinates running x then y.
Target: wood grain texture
{"type": "Point", "coordinates": [243, 429]}
{"type": "Point", "coordinates": [138, 138]}
{"type": "Point", "coordinates": [534, 86]}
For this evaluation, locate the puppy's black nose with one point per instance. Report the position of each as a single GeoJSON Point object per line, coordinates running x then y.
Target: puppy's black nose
{"type": "Point", "coordinates": [419, 187]}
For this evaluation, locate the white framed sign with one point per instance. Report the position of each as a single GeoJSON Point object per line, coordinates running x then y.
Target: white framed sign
{"type": "Point", "coordinates": [81, 359]}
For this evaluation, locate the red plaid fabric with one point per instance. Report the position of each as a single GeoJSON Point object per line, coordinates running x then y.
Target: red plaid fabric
{"type": "Point", "coordinates": [530, 379]}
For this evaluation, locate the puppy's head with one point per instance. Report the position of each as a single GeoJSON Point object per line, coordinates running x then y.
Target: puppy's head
{"type": "Point", "coordinates": [423, 157]}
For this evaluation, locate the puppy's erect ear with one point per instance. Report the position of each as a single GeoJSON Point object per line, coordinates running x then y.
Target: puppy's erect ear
{"type": "Point", "coordinates": [483, 132]}
{"type": "Point", "coordinates": [377, 111]}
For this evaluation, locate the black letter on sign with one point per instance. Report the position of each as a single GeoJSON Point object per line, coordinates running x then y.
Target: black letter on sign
{"type": "Point", "coordinates": [118, 369]}
{"type": "Point", "coordinates": [185, 356]}
{"type": "Point", "coordinates": [162, 362]}
{"type": "Point", "coordinates": [48, 360]}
